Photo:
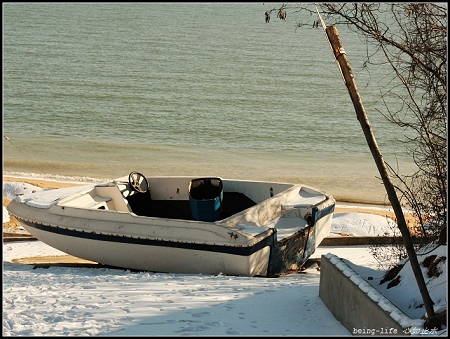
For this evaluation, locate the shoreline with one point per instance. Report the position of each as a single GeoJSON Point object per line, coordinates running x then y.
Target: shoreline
{"type": "Point", "coordinates": [43, 183]}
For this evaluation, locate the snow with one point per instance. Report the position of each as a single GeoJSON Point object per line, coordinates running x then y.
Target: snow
{"type": "Point", "coordinates": [13, 189]}
{"type": "Point", "coordinates": [5, 215]}
{"type": "Point", "coordinates": [363, 224]}
{"type": "Point", "coordinates": [79, 301]}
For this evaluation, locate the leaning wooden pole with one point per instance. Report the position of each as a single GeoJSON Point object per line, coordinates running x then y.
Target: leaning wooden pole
{"type": "Point", "coordinates": [361, 115]}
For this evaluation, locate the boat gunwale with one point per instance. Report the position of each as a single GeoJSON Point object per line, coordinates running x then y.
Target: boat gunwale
{"type": "Point", "coordinates": [232, 222]}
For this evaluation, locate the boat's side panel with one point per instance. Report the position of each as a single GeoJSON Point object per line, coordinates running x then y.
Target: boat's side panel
{"type": "Point", "coordinates": [323, 226]}
{"type": "Point", "coordinates": [321, 215]}
{"type": "Point", "coordinates": [129, 254]}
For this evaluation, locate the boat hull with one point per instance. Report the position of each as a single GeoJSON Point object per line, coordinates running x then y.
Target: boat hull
{"type": "Point", "coordinates": [156, 256]}
{"type": "Point", "coordinates": [269, 237]}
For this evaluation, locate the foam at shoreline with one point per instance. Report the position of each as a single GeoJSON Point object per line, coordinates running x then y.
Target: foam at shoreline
{"type": "Point", "coordinates": [52, 177]}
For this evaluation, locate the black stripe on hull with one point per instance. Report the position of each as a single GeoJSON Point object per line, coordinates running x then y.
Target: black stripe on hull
{"type": "Point", "coordinates": [235, 250]}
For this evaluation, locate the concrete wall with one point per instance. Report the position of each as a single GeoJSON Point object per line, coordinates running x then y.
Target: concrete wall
{"type": "Point", "coordinates": [356, 304]}
{"type": "Point", "coordinates": [360, 240]}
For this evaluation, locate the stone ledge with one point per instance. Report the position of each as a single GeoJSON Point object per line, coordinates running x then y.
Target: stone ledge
{"type": "Point", "coordinates": [356, 304]}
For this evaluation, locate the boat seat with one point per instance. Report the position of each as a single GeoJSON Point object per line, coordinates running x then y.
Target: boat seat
{"type": "Point", "coordinates": [89, 201]}
{"type": "Point", "coordinates": [101, 203]}
{"type": "Point", "coordinates": [114, 194]}
{"type": "Point", "coordinates": [303, 199]}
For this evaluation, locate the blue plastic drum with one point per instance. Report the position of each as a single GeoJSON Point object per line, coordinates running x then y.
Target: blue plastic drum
{"type": "Point", "coordinates": [205, 198]}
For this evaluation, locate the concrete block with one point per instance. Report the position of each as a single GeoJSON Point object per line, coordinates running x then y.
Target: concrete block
{"type": "Point", "coordinates": [356, 304]}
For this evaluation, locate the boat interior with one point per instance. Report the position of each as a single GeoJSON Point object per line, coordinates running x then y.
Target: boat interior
{"type": "Point", "coordinates": [120, 196]}
{"type": "Point", "coordinates": [172, 197]}
{"type": "Point", "coordinates": [142, 204]}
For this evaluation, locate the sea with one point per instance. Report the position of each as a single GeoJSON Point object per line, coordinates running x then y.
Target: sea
{"type": "Point", "coordinates": [93, 91]}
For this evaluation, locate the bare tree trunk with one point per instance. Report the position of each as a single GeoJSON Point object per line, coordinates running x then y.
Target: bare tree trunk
{"type": "Point", "coordinates": [361, 114]}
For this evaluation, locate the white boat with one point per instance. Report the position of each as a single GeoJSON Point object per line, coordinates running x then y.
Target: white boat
{"type": "Point", "coordinates": [182, 224]}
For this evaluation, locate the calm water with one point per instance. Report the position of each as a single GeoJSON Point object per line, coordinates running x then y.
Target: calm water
{"type": "Point", "coordinates": [99, 90]}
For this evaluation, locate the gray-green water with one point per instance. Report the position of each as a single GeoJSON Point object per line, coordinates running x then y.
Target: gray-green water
{"type": "Point", "coordinates": [99, 90]}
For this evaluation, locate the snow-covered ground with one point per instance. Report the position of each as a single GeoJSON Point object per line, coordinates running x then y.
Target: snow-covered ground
{"type": "Point", "coordinates": [73, 301]}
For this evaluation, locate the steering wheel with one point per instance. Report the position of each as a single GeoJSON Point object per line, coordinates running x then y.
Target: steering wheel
{"type": "Point", "coordinates": [138, 182]}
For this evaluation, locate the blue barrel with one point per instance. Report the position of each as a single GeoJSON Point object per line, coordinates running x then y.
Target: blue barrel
{"type": "Point", "coordinates": [205, 198]}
